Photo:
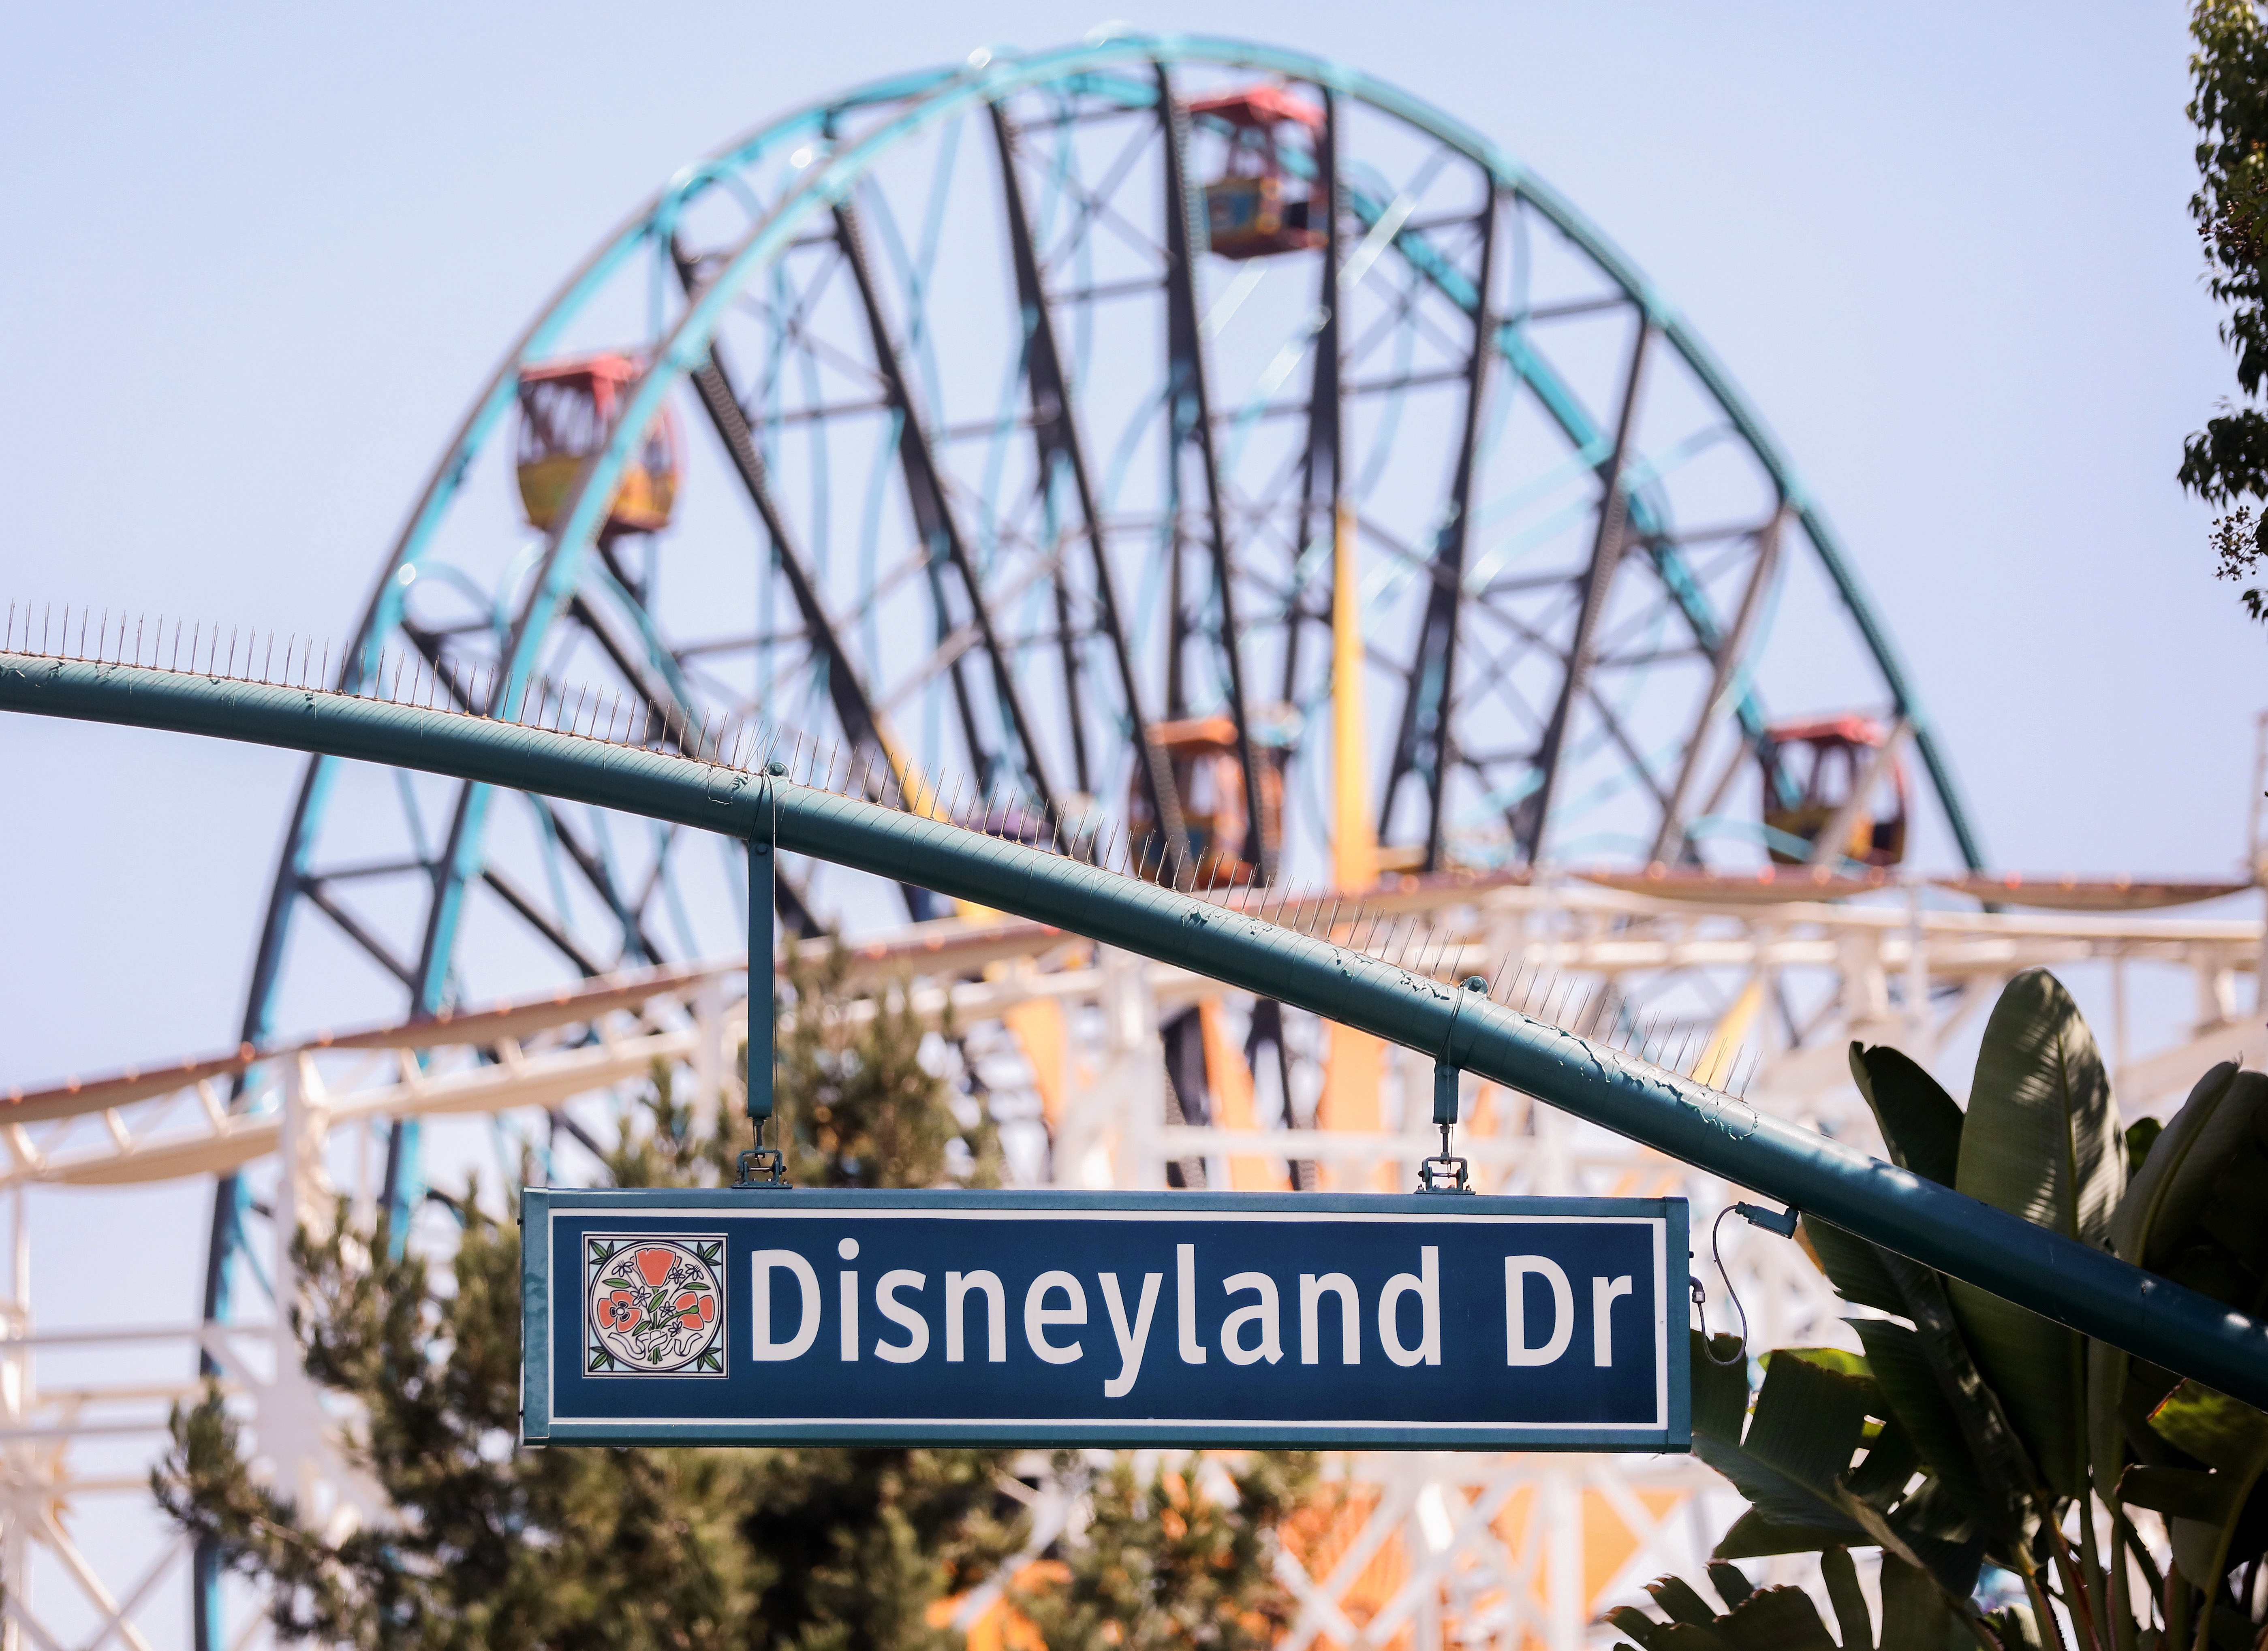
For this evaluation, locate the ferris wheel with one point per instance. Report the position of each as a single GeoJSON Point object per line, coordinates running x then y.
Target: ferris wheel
{"type": "Point", "coordinates": [1107, 430]}
{"type": "Point", "coordinates": [1192, 439]}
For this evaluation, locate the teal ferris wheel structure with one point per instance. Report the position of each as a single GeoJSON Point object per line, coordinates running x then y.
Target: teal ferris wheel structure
{"type": "Point", "coordinates": [1006, 428]}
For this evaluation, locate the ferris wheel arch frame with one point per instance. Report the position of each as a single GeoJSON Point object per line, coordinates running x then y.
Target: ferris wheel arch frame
{"type": "Point", "coordinates": [830, 183]}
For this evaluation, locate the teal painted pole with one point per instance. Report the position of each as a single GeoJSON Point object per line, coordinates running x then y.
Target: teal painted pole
{"type": "Point", "coordinates": [2092, 1291]}
{"type": "Point", "coordinates": [763, 994]}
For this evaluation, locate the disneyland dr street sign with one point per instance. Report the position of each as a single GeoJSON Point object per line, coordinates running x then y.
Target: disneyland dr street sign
{"type": "Point", "coordinates": [722, 1317]}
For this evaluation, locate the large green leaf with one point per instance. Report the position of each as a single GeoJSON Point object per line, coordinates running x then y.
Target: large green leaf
{"type": "Point", "coordinates": [1850, 1602]}
{"type": "Point", "coordinates": [2159, 1212]}
{"type": "Point", "coordinates": [1915, 1614]}
{"type": "Point", "coordinates": [2204, 1510]}
{"type": "Point", "coordinates": [1754, 1537]}
{"type": "Point", "coordinates": [1891, 1461]}
{"type": "Point", "coordinates": [1721, 1391]}
{"type": "Point", "coordinates": [1775, 1619]}
{"type": "Point", "coordinates": [1924, 1411]}
{"type": "Point", "coordinates": [1678, 1601]}
{"type": "Point", "coordinates": [2041, 1141]}
{"type": "Point", "coordinates": [1809, 1418]}
{"type": "Point", "coordinates": [1851, 1264]}
{"type": "Point", "coordinates": [1920, 1123]}
{"type": "Point", "coordinates": [2201, 1180]}
{"type": "Point", "coordinates": [1990, 1465]}
{"type": "Point", "coordinates": [1809, 1421]}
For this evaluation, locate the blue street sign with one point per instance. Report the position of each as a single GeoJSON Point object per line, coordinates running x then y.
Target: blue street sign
{"type": "Point", "coordinates": [1042, 1319]}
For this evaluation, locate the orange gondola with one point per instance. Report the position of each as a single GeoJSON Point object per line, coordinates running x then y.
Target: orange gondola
{"type": "Point", "coordinates": [1210, 778]}
{"type": "Point", "coordinates": [567, 411]}
{"type": "Point", "coordinates": [1249, 210]}
{"type": "Point", "coordinates": [1820, 764]}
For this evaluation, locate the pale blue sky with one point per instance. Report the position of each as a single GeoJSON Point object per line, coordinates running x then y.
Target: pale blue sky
{"type": "Point", "coordinates": [258, 257]}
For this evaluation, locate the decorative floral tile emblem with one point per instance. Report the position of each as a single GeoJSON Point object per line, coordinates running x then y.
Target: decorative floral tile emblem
{"type": "Point", "coordinates": [653, 1306]}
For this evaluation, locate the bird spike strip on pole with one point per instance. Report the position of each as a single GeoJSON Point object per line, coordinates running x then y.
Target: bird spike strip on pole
{"type": "Point", "coordinates": [754, 745]}
{"type": "Point", "coordinates": [2092, 1291]}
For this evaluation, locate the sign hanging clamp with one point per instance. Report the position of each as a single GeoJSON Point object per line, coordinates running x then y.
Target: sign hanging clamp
{"type": "Point", "coordinates": [764, 1169]}
{"type": "Point", "coordinates": [1445, 1172]}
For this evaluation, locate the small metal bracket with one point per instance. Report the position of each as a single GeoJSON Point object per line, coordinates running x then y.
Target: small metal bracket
{"type": "Point", "coordinates": [764, 1170]}
{"type": "Point", "coordinates": [1445, 1172]}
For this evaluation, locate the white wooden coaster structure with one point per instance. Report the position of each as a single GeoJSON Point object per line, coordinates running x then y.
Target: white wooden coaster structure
{"type": "Point", "coordinates": [1062, 1040]}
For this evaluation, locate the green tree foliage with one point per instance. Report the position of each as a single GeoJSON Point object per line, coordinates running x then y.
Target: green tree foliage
{"type": "Point", "coordinates": [1159, 1565]}
{"type": "Point", "coordinates": [2227, 462]}
{"type": "Point", "coordinates": [1966, 1434]}
{"type": "Point", "coordinates": [489, 1545]}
